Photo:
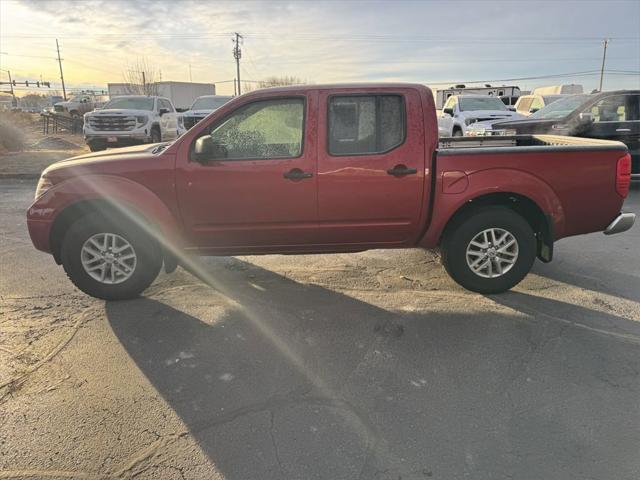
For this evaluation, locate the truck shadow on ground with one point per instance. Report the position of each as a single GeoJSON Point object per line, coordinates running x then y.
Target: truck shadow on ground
{"type": "Point", "coordinates": [298, 381]}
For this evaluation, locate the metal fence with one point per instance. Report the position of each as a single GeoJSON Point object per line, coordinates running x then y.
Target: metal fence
{"type": "Point", "coordinates": [53, 122]}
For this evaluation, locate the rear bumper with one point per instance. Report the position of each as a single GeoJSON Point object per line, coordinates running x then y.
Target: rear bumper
{"type": "Point", "coordinates": [622, 223]}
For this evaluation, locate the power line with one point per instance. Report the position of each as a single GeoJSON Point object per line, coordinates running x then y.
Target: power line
{"type": "Point", "coordinates": [540, 77]}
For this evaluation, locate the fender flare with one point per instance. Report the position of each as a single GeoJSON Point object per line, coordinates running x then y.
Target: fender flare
{"type": "Point", "coordinates": [86, 193]}
{"type": "Point", "coordinates": [482, 183]}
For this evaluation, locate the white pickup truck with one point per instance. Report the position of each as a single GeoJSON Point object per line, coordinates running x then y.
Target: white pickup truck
{"type": "Point", "coordinates": [130, 120]}
{"type": "Point", "coordinates": [460, 111]}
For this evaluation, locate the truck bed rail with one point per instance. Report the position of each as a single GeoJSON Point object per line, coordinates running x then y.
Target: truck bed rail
{"type": "Point", "coordinates": [523, 143]}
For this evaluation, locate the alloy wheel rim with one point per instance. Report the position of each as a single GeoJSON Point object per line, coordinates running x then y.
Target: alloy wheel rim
{"type": "Point", "coordinates": [108, 258]}
{"type": "Point", "coordinates": [492, 253]}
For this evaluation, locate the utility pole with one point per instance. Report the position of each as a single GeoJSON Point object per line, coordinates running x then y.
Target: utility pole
{"type": "Point", "coordinates": [604, 56]}
{"type": "Point", "coordinates": [64, 92]}
{"type": "Point", "coordinates": [237, 54]}
{"type": "Point", "coordinates": [144, 84]}
{"type": "Point", "coordinates": [14, 102]}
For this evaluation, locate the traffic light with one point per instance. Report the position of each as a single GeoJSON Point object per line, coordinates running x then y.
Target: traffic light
{"type": "Point", "coordinates": [26, 83]}
{"type": "Point", "coordinates": [14, 82]}
{"type": "Point", "coordinates": [38, 84]}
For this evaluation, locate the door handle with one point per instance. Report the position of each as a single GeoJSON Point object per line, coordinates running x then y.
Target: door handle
{"type": "Point", "coordinates": [401, 170]}
{"type": "Point", "coordinates": [297, 174]}
{"type": "Point", "coordinates": [623, 129]}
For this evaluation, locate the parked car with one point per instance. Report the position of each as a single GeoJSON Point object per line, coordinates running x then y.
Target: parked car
{"type": "Point", "coordinates": [528, 104]}
{"type": "Point", "coordinates": [611, 115]}
{"type": "Point", "coordinates": [77, 105]}
{"type": "Point", "coordinates": [130, 120]}
{"type": "Point", "coordinates": [460, 111]}
{"type": "Point", "coordinates": [203, 106]}
{"type": "Point", "coordinates": [325, 169]}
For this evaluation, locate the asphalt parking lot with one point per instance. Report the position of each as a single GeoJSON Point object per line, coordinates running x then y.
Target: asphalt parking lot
{"type": "Point", "coordinates": [364, 366]}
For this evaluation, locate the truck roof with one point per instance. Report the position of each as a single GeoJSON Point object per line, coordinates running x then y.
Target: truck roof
{"type": "Point", "coordinates": [335, 86]}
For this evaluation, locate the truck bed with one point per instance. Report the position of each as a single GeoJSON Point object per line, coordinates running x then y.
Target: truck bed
{"type": "Point", "coordinates": [523, 144]}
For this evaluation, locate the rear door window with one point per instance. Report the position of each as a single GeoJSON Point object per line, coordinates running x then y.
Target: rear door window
{"type": "Point", "coordinates": [365, 124]}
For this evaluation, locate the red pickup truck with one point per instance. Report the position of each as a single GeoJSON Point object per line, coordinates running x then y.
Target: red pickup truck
{"type": "Point", "coordinates": [322, 169]}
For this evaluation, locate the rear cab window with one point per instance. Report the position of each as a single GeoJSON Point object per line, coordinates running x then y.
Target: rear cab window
{"type": "Point", "coordinates": [365, 124]}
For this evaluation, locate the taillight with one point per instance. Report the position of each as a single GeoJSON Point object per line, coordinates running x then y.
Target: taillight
{"type": "Point", "coordinates": [623, 175]}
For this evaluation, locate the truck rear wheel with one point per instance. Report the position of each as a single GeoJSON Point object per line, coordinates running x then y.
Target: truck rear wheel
{"type": "Point", "coordinates": [109, 260]}
{"type": "Point", "coordinates": [489, 250]}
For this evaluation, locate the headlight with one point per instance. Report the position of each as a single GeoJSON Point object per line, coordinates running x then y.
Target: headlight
{"type": "Point", "coordinates": [469, 121]}
{"type": "Point", "coordinates": [142, 120]}
{"type": "Point", "coordinates": [44, 184]}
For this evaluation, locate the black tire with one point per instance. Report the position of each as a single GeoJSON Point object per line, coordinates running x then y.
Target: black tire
{"type": "Point", "coordinates": [156, 135]}
{"type": "Point", "coordinates": [466, 227]}
{"type": "Point", "coordinates": [457, 132]}
{"type": "Point", "coordinates": [147, 264]}
{"type": "Point", "coordinates": [97, 146]}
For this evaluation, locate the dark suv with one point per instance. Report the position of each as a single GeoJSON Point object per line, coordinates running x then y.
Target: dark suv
{"type": "Point", "coordinates": [611, 115]}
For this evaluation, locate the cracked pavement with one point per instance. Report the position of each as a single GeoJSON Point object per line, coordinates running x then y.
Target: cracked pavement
{"type": "Point", "coordinates": [372, 366]}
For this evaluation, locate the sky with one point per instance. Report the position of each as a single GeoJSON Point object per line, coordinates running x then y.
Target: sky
{"type": "Point", "coordinates": [437, 43]}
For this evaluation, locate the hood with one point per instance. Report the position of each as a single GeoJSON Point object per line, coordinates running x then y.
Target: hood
{"type": "Point", "coordinates": [97, 162]}
{"type": "Point", "coordinates": [198, 113]}
{"type": "Point", "coordinates": [65, 104]}
{"type": "Point", "coordinates": [530, 126]}
{"type": "Point", "coordinates": [487, 115]}
{"type": "Point", "coordinates": [120, 111]}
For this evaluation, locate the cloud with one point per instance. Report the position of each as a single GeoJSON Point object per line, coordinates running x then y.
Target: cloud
{"type": "Point", "coordinates": [329, 41]}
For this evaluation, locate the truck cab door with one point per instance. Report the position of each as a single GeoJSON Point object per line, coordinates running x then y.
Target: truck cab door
{"type": "Point", "coordinates": [371, 167]}
{"type": "Point", "coordinates": [617, 117]}
{"type": "Point", "coordinates": [255, 189]}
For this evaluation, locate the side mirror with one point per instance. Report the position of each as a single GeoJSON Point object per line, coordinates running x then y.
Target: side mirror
{"type": "Point", "coordinates": [585, 117]}
{"type": "Point", "coordinates": [448, 111]}
{"type": "Point", "coordinates": [203, 149]}
{"type": "Point", "coordinates": [206, 149]}
{"type": "Point", "coordinates": [533, 110]}
{"type": "Point", "coordinates": [511, 108]}
{"type": "Point", "coordinates": [163, 111]}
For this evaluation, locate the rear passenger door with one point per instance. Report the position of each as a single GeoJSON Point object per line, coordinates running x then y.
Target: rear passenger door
{"type": "Point", "coordinates": [371, 167]}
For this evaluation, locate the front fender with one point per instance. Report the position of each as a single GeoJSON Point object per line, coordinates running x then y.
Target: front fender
{"type": "Point", "coordinates": [491, 181]}
{"type": "Point", "coordinates": [129, 198]}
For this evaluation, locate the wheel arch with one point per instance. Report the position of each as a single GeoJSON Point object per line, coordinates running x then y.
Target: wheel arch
{"type": "Point", "coordinates": [113, 198]}
{"type": "Point", "coordinates": [541, 223]}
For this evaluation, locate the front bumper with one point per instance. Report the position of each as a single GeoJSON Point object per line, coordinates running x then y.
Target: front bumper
{"type": "Point", "coordinates": [622, 223]}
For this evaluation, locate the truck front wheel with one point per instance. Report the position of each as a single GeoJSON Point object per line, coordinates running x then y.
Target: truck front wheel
{"type": "Point", "coordinates": [156, 136]}
{"type": "Point", "coordinates": [110, 260]}
{"type": "Point", "coordinates": [489, 250]}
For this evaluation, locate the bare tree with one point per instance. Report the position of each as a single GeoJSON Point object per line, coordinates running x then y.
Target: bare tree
{"type": "Point", "coordinates": [141, 78]}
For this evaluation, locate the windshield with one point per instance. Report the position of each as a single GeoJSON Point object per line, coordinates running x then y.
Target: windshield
{"type": "Point", "coordinates": [481, 103]}
{"type": "Point", "coordinates": [552, 98]}
{"type": "Point", "coordinates": [560, 108]}
{"type": "Point", "coordinates": [131, 103]}
{"type": "Point", "coordinates": [209, 103]}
